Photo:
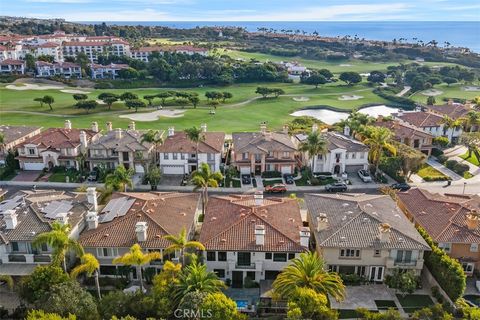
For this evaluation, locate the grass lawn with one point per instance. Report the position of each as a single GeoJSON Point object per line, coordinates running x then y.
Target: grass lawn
{"type": "Point", "coordinates": [57, 177]}
{"type": "Point", "coordinates": [427, 172]}
{"type": "Point", "coordinates": [385, 304]}
{"type": "Point", "coordinates": [235, 183]}
{"type": "Point", "coordinates": [452, 91]}
{"type": "Point", "coordinates": [412, 302]}
{"type": "Point", "coordinates": [271, 182]}
{"type": "Point", "coordinates": [473, 159]}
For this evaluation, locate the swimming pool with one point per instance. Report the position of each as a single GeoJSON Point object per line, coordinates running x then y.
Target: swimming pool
{"type": "Point", "coordinates": [241, 304]}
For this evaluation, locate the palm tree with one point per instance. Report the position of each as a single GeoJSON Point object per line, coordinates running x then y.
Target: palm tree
{"type": "Point", "coordinates": [378, 139]}
{"type": "Point", "coordinates": [7, 279]}
{"type": "Point", "coordinates": [308, 271]}
{"type": "Point", "coordinates": [449, 123]}
{"type": "Point", "coordinates": [181, 243]}
{"type": "Point", "coordinates": [120, 179]}
{"type": "Point", "coordinates": [196, 278]}
{"type": "Point", "coordinates": [59, 240]}
{"type": "Point", "coordinates": [154, 137]}
{"type": "Point", "coordinates": [314, 145]}
{"type": "Point", "coordinates": [135, 257]}
{"type": "Point", "coordinates": [195, 135]}
{"type": "Point", "coordinates": [471, 120]}
{"type": "Point", "coordinates": [204, 178]}
{"type": "Point", "coordinates": [89, 265]}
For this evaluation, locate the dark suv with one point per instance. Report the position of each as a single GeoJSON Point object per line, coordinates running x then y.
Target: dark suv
{"type": "Point", "coordinates": [246, 179]}
{"type": "Point", "coordinates": [336, 187]}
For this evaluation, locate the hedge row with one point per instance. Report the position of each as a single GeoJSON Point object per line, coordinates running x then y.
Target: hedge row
{"type": "Point", "coordinates": [447, 271]}
{"type": "Point", "coordinates": [405, 103]}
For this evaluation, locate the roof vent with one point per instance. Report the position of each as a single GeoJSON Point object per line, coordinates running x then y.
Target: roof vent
{"type": "Point", "coordinates": [223, 240]}
{"type": "Point", "coordinates": [343, 239]}
{"type": "Point", "coordinates": [158, 236]}
{"type": "Point", "coordinates": [213, 219]}
{"type": "Point", "coordinates": [345, 204]}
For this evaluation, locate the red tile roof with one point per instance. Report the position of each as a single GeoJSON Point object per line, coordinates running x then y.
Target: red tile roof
{"type": "Point", "coordinates": [57, 138]}
{"type": "Point", "coordinates": [7, 62]}
{"type": "Point", "coordinates": [403, 129]}
{"type": "Point", "coordinates": [453, 110]}
{"type": "Point", "coordinates": [179, 142]}
{"type": "Point", "coordinates": [420, 119]}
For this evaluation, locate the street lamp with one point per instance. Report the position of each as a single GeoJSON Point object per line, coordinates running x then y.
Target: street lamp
{"type": "Point", "coordinates": [464, 185]}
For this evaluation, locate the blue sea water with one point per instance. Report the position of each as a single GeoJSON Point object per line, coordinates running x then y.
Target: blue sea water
{"type": "Point", "coordinates": [458, 33]}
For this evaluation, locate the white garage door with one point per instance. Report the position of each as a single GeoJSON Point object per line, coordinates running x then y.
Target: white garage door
{"type": "Point", "coordinates": [139, 168]}
{"type": "Point", "coordinates": [286, 169]}
{"type": "Point", "coordinates": [173, 169]}
{"type": "Point", "coordinates": [245, 170]}
{"type": "Point", "coordinates": [33, 166]}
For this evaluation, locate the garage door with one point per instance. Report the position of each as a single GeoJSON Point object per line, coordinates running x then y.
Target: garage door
{"type": "Point", "coordinates": [353, 168]}
{"type": "Point", "coordinates": [173, 169]}
{"type": "Point", "coordinates": [245, 170]}
{"type": "Point", "coordinates": [33, 166]}
{"type": "Point", "coordinates": [286, 169]}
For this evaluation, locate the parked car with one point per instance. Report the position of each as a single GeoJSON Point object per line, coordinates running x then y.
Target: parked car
{"type": "Point", "coordinates": [288, 178]}
{"type": "Point", "coordinates": [276, 188]}
{"type": "Point", "coordinates": [400, 186]}
{"type": "Point", "coordinates": [93, 176]}
{"type": "Point", "coordinates": [365, 175]}
{"type": "Point", "coordinates": [336, 187]}
{"type": "Point", "coordinates": [246, 179]}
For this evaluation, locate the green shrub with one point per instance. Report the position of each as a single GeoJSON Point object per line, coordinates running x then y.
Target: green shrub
{"type": "Point", "coordinates": [460, 168]}
{"type": "Point", "coordinates": [405, 103]}
{"type": "Point", "coordinates": [441, 141]}
{"type": "Point", "coordinates": [450, 164]}
{"type": "Point", "coordinates": [442, 159]}
{"type": "Point", "coordinates": [436, 152]}
{"type": "Point", "coordinates": [435, 178]}
{"type": "Point", "coordinates": [352, 279]}
{"type": "Point", "coordinates": [271, 174]}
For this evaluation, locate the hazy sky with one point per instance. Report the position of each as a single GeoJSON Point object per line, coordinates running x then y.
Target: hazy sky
{"type": "Point", "coordinates": [245, 10]}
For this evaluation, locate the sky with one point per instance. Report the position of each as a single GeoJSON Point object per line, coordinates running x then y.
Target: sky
{"type": "Point", "coordinates": [245, 10]}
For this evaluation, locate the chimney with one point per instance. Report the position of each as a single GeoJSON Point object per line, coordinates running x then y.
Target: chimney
{"type": "Point", "coordinates": [10, 217]}
{"type": "Point", "coordinates": [346, 131]}
{"type": "Point", "coordinates": [92, 198]}
{"type": "Point", "coordinates": [385, 231]}
{"type": "Point", "coordinates": [204, 127]}
{"type": "Point", "coordinates": [400, 113]}
{"type": "Point", "coordinates": [285, 128]}
{"type": "Point", "coordinates": [468, 104]}
{"type": "Point", "coordinates": [314, 127]}
{"type": "Point", "coordinates": [263, 127]}
{"type": "Point", "coordinates": [109, 126]}
{"type": "Point", "coordinates": [95, 126]}
{"type": "Point", "coordinates": [259, 235]}
{"type": "Point", "coordinates": [141, 231]}
{"type": "Point", "coordinates": [62, 218]}
{"type": "Point", "coordinates": [304, 236]}
{"type": "Point", "coordinates": [92, 220]}
{"type": "Point", "coordinates": [258, 196]}
{"type": "Point", "coordinates": [131, 126]}
{"type": "Point", "coordinates": [68, 124]}
{"type": "Point", "coordinates": [473, 220]}
{"type": "Point", "coordinates": [118, 133]}
{"type": "Point", "coordinates": [450, 102]}
{"type": "Point", "coordinates": [322, 222]}
{"type": "Point", "coordinates": [83, 140]}
{"type": "Point", "coordinates": [171, 131]}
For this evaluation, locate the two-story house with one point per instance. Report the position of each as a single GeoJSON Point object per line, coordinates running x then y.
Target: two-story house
{"type": "Point", "coordinates": [13, 136]}
{"type": "Point", "coordinates": [143, 218]}
{"type": "Point", "coordinates": [119, 146]}
{"type": "Point", "coordinates": [452, 220]}
{"type": "Point", "coordinates": [178, 154]}
{"type": "Point", "coordinates": [26, 214]}
{"type": "Point", "coordinates": [55, 147]}
{"type": "Point", "coordinates": [364, 234]}
{"type": "Point", "coordinates": [109, 71]}
{"type": "Point", "coordinates": [249, 236]}
{"type": "Point", "coordinates": [257, 152]}
{"type": "Point", "coordinates": [12, 66]}
{"type": "Point", "coordinates": [64, 69]}
{"type": "Point", "coordinates": [345, 154]}
{"type": "Point", "coordinates": [408, 134]}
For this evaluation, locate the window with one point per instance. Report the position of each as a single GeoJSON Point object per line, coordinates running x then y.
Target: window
{"type": "Point", "coordinates": [175, 156]}
{"type": "Point", "coordinates": [376, 253]}
{"type": "Point", "coordinates": [268, 256]}
{"type": "Point", "coordinates": [286, 154]}
{"type": "Point", "coordinates": [404, 256]}
{"type": "Point", "coordinates": [354, 155]}
{"type": "Point", "coordinates": [245, 156]}
{"type": "Point", "coordinates": [210, 156]}
{"type": "Point", "coordinates": [258, 157]}
{"type": "Point", "coordinates": [44, 247]}
{"type": "Point", "coordinates": [445, 246]}
{"type": "Point", "coordinates": [332, 268]}
{"type": "Point", "coordinates": [193, 155]}
{"type": "Point", "coordinates": [361, 271]}
{"type": "Point", "coordinates": [211, 256]}
{"type": "Point", "coordinates": [107, 252]}
{"type": "Point", "coordinates": [165, 156]}
{"type": "Point", "coordinates": [31, 151]}
{"type": "Point", "coordinates": [468, 267]}
{"type": "Point", "coordinates": [219, 272]}
{"type": "Point", "coordinates": [280, 257]}
{"type": "Point", "coordinates": [362, 155]}
{"type": "Point", "coordinates": [346, 155]}
{"type": "Point", "coordinates": [15, 246]}
{"type": "Point", "coordinates": [291, 256]}
{"type": "Point", "coordinates": [350, 253]}
{"type": "Point", "coordinates": [270, 154]}
{"type": "Point", "coordinates": [320, 156]}
{"type": "Point", "coordinates": [474, 247]}
{"type": "Point", "coordinates": [251, 275]}
{"type": "Point", "coordinates": [182, 156]}
{"type": "Point", "coordinates": [222, 256]}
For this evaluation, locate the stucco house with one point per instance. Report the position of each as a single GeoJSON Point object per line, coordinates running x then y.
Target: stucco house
{"type": "Point", "coordinates": [13, 136]}
{"type": "Point", "coordinates": [364, 234]}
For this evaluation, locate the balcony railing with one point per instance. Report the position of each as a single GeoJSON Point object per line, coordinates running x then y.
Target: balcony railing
{"type": "Point", "coordinates": [405, 263]}
{"type": "Point", "coordinates": [245, 266]}
{"type": "Point", "coordinates": [42, 258]}
{"type": "Point", "coordinates": [17, 258]}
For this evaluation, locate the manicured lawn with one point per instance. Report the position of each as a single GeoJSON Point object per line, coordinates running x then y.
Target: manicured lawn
{"type": "Point", "coordinates": [57, 177]}
{"type": "Point", "coordinates": [385, 304]}
{"type": "Point", "coordinates": [473, 159]}
{"type": "Point", "coordinates": [452, 91]}
{"type": "Point", "coordinates": [271, 182]}
{"type": "Point", "coordinates": [467, 175]}
{"type": "Point", "coordinates": [412, 302]}
{"type": "Point", "coordinates": [427, 172]}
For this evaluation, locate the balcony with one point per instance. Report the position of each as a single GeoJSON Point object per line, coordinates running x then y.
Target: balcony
{"type": "Point", "coordinates": [42, 258]}
{"type": "Point", "coordinates": [17, 258]}
{"type": "Point", "coordinates": [192, 160]}
{"type": "Point", "coordinates": [410, 263]}
{"type": "Point", "coordinates": [245, 266]}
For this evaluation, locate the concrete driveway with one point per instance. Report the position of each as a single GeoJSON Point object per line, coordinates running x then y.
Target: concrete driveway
{"type": "Point", "coordinates": [171, 180]}
{"type": "Point", "coordinates": [26, 176]}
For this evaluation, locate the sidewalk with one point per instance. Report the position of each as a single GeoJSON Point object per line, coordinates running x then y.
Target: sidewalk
{"type": "Point", "coordinates": [440, 167]}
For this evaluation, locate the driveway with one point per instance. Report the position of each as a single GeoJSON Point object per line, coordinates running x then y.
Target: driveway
{"type": "Point", "coordinates": [27, 176]}
{"type": "Point", "coordinates": [171, 180]}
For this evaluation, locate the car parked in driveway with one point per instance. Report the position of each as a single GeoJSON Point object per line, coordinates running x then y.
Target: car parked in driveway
{"type": "Point", "coordinates": [93, 176]}
{"type": "Point", "coordinates": [246, 179]}
{"type": "Point", "coordinates": [288, 178]}
{"type": "Point", "coordinates": [401, 186]}
{"type": "Point", "coordinates": [365, 175]}
{"type": "Point", "coordinates": [336, 187]}
{"type": "Point", "coordinates": [276, 188]}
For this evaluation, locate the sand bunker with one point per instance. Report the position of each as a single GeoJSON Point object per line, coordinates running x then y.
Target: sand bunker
{"type": "Point", "coordinates": [432, 92]}
{"type": "Point", "coordinates": [30, 86]}
{"type": "Point", "coordinates": [471, 88]}
{"type": "Point", "coordinates": [100, 101]}
{"type": "Point", "coordinates": [153, 116]}
{"type": "Point", "coordinates": [345, 65]}
{"type": "Point", "coordinates": [75, 91]}
{"type": "Point", "coordinates": [301, 99]}
{"type": "Point", "coordinates": [349, 97]}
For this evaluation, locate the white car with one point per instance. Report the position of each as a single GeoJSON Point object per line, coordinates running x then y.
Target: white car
{"type": "Point", "coordinates": [365, 175]}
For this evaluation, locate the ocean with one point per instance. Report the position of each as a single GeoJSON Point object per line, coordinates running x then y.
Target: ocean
{"type": "Point", "coordinates": [458, 33]}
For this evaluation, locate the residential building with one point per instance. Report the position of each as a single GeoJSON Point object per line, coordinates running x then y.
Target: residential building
{"type": "Point", "coordinates": [110, 71]}
{"type": "Point", "coordinates": [29, 213]}
{"type": "Point", "coordinates": [12, 66]}
{"type": "Point", "coordinates": [45, 49]}
{"type": "Point", "coordinates": [345, 154]}
{"type": "Point", "coordinates": [178, 154]}
{"type": "Point", "coordinates": [55, 147]}
{"type": "Point", "coordinates": [143, 53]}
{"type": "Point", "coordinates": [450, 109]}
{"type": "Point", "coordinates": [249, 236]}
{"type": "Point", "coordinates": [94, 48]}
{"type": "Point", "coordinates": [257, 152]}
{"type": "Point", "coordinates": [64, 69]}
{"type": "Point", "coordinates": [120, 146]}
{"type": "Point", "coordinates": [408, 134]}
{"type": "Point", "coordinates": [364, 234]}
{"type": "Point", "coordinates": [143, 218]}
{"type": "Point", "coordinates": [10, 52]}
{"type": "Point", "coordinates": [13, 136]}
{"type": "Point", "coordinates": [452, 220]}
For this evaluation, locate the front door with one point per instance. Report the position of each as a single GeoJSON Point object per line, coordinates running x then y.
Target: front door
{"type": "Point", "coordinates": [237, 279]}
{"type": "Point", "coordinates": [376, 273]}
{"type": "Point", "coordinates": [258, 170]}
{"type": "Point", "coordinates": [336, 169]}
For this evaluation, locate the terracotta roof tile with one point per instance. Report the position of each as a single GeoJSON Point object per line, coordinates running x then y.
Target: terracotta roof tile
{"type": "Point", "coordinates": [179, 142]}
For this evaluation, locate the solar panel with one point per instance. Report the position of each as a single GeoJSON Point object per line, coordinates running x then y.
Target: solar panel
{"type": "Point", "coordinates": [116, 208]}
{"type": "Point", "coordinates": [10, 204]}
{"type": "Point", "coordinates": [56, 207]}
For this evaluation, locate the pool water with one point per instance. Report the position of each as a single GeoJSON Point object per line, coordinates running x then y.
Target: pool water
{"type": "Point", "coordinates": [241, 304]}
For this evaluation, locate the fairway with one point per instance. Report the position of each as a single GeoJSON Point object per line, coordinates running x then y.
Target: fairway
{"type": "Point", "coordinates": [452, 91]}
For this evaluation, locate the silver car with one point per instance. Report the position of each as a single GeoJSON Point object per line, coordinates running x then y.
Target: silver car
{"type": "Point", "coordinates": [365, 175]}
